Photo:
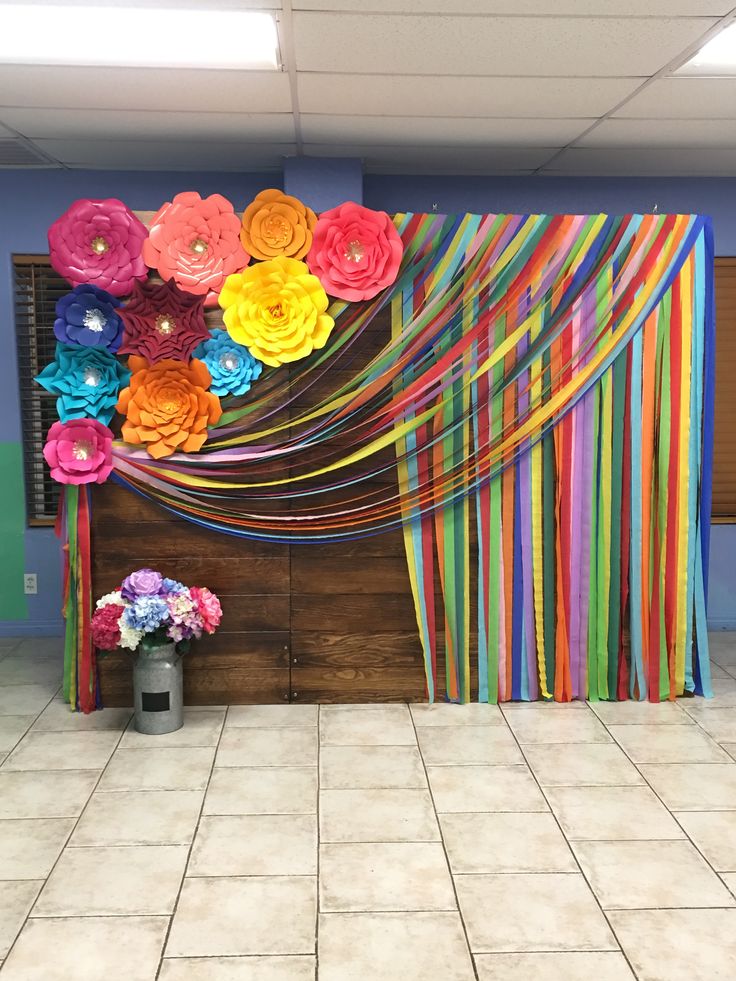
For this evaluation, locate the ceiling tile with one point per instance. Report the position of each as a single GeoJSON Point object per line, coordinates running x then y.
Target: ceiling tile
{"type": "Point", "coordinates": [438, 160]}
{"type": "Point", "coordinates": [165, 155]}
{"type": "Point", "coordinates": [44, 86]}
{"type": "Point", "coordinates": [683, 98]}
{"type": "Point", "coordinates": [579, 8]}
{"type": "Point", "coordinates": [81, 124]}
{"type": "Point", "coordinates": [438, 131]}
{"type": "Point", "coordinates": [662, 133]}
{"type": "Point", "coordinates": [399, 45]}
{"type": "Point", "coordinates": [427, 95]}
{"type": "Point", "coordinates": [644, 162]}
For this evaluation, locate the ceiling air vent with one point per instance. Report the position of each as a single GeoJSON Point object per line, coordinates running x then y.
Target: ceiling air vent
{"type": "Point", "coordinates": [15, 153]}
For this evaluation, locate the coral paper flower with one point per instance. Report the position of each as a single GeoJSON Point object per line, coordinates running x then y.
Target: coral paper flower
{"type": "Point", "coordinates": [196, 242]}
{"type": "Point", "coordinates": [162, 322]}
{"type": "Point", "coordinates": [277, 224]}
{"type": "Point", "coordinates": [88, 316]}
{"type": "Point", "coordinates": [168, 407]}
{"type": "Point", "coordinates": [277, 310]}
{"type": "Point", "coordinates": [356, 252]}
{"type": "Point", "coordinates": [232, 367]}
{"type": "Point", "coordinates": [87, 381]}
{"type": "Point", "coordinates": [79, 452]}
{"type": "Point", "coordinates": [99, 242]}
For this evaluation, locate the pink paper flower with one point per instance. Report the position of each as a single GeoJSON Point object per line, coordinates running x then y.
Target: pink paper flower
{"type": "Point", "coordinates": [356, 252]}
{"type": "Point", "coordinates": [160, 321]}
{"type": "Point", "coordinates": [99, 242]}
{"type": "Point", "coordinates": [196, 242]}
{"type": "Point", "coordinates": [208, 606]}
{"type": "Point", "coordinates": [79, 451]}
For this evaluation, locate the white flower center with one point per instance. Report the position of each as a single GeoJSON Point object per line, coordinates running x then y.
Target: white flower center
{"type": "Point", "coordinates": [229, 361]}
{"type": "Point", "coordinates": [94, 320]}
{"type": "Point", "coordinates": [82, 449]}
{"type": "Point", "coordinates": [92, 377]}
{"type": "Point", "coordinates": [354, 251]}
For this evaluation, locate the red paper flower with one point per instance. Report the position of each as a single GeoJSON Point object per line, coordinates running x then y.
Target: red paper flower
{"type": "Point", "coordinates": [99, 243]}
{"type": "Point", "coordinates": [196, 242]}
{"type": "Point", "coordinates": [79, 452]}
{"type": "Point", "coordinates": [162, 322]}
{"type": "Point", "coordinates": [356, 252]}
{"type": "Point", "coordinates": [106, 626]}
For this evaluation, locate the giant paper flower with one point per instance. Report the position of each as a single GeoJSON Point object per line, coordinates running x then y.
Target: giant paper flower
{"type": "Point", "coordinates": [277, 310]}
{"type": "Point", "coordinates": [277, 224]}
{"type": "Point", "coordinates": [79, 452]}
{"type": "Point", "coordinates": [87, 381]}
{"type": "Point", "coordinates": [356, 252]}
{"type": "Point", "coordinates": [196, 243]}
{"type": "Point", "coordinates": [168, 407]}
{"type": "Point", "coordinates": [88, 316]}
{"type": "Point", "coordinates": [99, 242]}
{"type": "Point", "coordinates": [232, 367]}
{"type": "Point", "coordinates": [162, 322]}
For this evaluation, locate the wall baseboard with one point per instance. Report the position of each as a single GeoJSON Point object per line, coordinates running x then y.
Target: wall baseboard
{"type": "Point", "coordinates": [721, 623]}
{"type": "Point", "coordinates": [32, 628]}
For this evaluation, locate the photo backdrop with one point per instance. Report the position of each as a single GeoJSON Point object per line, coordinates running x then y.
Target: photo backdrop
{"type": "Point", "coordinates": [546, 398]}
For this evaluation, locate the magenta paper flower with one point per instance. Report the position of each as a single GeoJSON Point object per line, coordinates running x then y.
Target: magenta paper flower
{"type": "Point", "coordinates": [160, 321]}
{"type": "Point", "coordinates": [79, 452]}
{"type": "Point", "coordinates": [99, 242]}
{"type": "Point", "coordinates": [355, 252]}
{"type": "Point", "coordinates": [196, 242]}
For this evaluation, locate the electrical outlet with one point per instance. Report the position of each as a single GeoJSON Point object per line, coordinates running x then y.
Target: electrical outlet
{"type": "Point", "coordinates": [30, 583]}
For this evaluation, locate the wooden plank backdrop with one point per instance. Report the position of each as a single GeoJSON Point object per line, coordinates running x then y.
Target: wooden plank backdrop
{"type": "Point", "coordinates": [303, 623]}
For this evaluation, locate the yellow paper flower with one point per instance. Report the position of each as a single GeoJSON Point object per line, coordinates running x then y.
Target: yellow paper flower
{"type": "Point", "coordinates": [276, 224]}
{"type": "Point", "coordinates": [277, 310]}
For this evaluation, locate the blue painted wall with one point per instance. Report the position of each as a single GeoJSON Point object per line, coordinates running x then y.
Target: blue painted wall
{"type": "Point", "coordinates": [29, 201]}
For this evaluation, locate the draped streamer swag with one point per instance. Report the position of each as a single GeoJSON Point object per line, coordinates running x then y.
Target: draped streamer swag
{"type": "Point", "coordinates": [548, 392]}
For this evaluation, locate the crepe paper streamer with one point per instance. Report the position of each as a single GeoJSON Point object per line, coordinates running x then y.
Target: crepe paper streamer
{"type": "Point", "coordinates": [81, 685]}
{"type": "Point", "coordinates": [548, 392]}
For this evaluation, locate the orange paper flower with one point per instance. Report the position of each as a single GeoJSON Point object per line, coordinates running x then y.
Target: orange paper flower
{"type": "Point", "coordinates": [167, 406]}
{"type": "Point", "coordinates": [276, 309]}
{"type": "Point", "coordinates": [276, 224]}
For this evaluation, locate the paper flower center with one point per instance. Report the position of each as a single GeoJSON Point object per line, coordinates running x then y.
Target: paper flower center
{"type": "Point", "coordinates": [229, 361]}
{"type": "Point", "coordinates": [276, 231]}
{"type": "Point", "coordinates": [82, 449]}
{"type": "Point", "coordinates": [92, 377]}
{"type": "Point", "coordinates": [99, 245]}
{"type": "Point", "coordinates": [170, 401]}
{"type": "Point", "coordinates": [198, 245]}
{"type": "Point", "coordinates": [94, 320]}
{"type": "Point", "coordinates": [165, 324]}
{"type": "Point", "coordinates": [354, 251]}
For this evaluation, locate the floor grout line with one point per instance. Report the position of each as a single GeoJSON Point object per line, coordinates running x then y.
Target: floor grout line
{"type": "Point", "coordinates": [444, 849]}
{"type": "Point", "coordinates": [191, 847]}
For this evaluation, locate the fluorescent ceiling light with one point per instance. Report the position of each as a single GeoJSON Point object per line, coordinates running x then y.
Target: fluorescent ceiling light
{"type": "Point", "coordinates": [717, 57]}
{"type": "Point", "coordinates": [80, 34]}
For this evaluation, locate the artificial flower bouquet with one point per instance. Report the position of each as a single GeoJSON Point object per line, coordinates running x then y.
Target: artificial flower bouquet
{"type": "Point", "coordinates": [148, 605]}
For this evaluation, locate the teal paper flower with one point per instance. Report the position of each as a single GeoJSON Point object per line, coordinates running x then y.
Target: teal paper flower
{"type": "Point", "coordinates": [87, 381]}
{"type": "Point", "coordinates": [232, 367]}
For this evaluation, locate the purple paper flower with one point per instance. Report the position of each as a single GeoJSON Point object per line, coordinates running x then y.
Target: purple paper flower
{"type": "Point", "coordinates": [144, 582]}
{"type": "Point", "coordinates": [88, 316]}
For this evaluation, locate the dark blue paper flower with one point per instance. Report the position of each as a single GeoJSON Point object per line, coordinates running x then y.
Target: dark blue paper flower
{"type": "Point", "coordinates": [88, 316]}
{"type": "Point", "coordinates": [87, 381]}
{"type": "Point", "coordinates": [232, 367]}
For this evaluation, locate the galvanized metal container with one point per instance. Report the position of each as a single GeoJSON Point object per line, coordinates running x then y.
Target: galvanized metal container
{"type": "Point", "coordinates": [158, 689]}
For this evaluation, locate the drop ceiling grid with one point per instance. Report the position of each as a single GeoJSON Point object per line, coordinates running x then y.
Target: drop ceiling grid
{"type": "Point", "coordinates": [470, 86]}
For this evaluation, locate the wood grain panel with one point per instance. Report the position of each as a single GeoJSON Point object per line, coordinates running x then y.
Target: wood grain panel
{"type": "Point", "coordinates": [724, 457]}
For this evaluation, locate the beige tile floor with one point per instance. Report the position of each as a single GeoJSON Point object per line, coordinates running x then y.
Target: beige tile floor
{"type": "Point", "coordinates": [367, 843]}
